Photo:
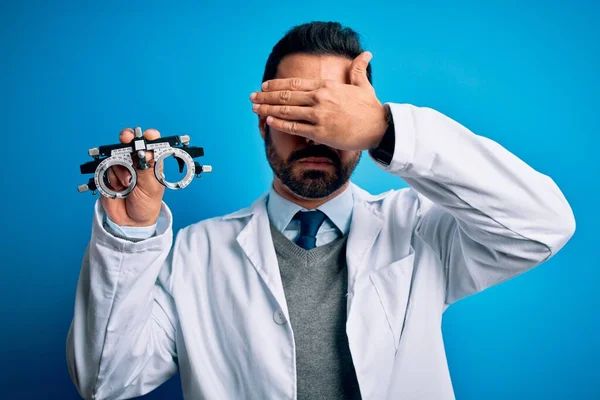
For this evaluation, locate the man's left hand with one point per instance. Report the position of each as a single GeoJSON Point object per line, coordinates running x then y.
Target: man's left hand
{"type": "Point", "coordinates": [342, 116]}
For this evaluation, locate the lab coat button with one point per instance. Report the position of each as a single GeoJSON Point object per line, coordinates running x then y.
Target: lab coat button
{"type": "Point", "coordinates": [279, 317]}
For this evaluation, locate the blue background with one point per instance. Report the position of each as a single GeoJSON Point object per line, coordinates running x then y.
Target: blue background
{"type": "Point", "coordinates": [72, 75]}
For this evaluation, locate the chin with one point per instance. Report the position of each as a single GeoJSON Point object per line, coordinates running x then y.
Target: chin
{"type": "Point", "coordinates": [312, 188]}
{"type": "Point", "coordinates": [309, 197]}
{"type": "Point", "coordinates": [313, 174]}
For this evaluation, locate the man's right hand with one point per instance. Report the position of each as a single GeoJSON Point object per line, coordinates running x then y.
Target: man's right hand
{"type": "Point", "coordinates": [142, 206]}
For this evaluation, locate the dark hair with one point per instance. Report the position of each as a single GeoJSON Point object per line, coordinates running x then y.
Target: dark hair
{"type": "Point", "coordinates": [316, 38]}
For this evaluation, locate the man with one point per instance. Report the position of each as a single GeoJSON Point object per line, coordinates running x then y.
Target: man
{"type": "Point", "coordinates": [318, 290]}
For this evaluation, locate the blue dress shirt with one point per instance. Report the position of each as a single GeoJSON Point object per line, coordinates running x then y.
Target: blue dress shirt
{"type": "Point", "coordinates": [338, 211]}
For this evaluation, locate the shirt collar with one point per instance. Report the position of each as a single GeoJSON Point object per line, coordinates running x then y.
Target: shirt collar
{"type": "Point", "coordinates": [338, 210]}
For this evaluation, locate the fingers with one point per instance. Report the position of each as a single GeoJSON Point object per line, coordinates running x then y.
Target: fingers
{"type": "Point", "coordinates": [358, 69]}
{"type": "Point", "coordinates": [292, 127]}
{"type": "Point", "coordinates": [123, 175]}
{"type": "Point", "coordinates": [118, 177]}
{"type": "Point", "coordinates": [294, 84]}
{"type": "Point", "coordinates": [287, 112]}
{"type": "Point", "coordinates": [126, 135]}
{"type": "Point", "coordinates": [289, 97]}
{"type": "Point", "coordinates": [112, 180]}
{"type": "Point", "coordinates": [151, 134]}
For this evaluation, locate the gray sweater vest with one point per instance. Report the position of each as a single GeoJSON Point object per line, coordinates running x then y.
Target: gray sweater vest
{"type": "Point", "coordinates": [315, 284]}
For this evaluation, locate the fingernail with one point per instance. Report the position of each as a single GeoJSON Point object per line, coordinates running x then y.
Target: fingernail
{"type": "Point", "coordinates": [265, 85]}
{"type": "Point", "coordinates": [269, 120]}
{"type": "Point", "coordinates": [253, 96]}
{"type": "Point", "coordinates": [255, 107]}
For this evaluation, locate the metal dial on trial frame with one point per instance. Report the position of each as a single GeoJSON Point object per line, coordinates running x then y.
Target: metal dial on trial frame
{"type": "Point", "coordinates": [161, 152]}
{"type": "Point", "coordinates": [120, 157]}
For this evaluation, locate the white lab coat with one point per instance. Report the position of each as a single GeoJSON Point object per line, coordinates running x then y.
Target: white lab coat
{"type": "Point", "coordinates": [474, 215]}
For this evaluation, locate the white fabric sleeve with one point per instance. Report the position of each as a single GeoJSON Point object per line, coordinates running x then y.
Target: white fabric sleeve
{"type": "Point", "coordinates": [487, 214]}
{"type": "Point", "coordinates": [121, 342]}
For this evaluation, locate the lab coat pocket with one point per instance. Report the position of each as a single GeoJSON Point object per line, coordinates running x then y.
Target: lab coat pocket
{"type": "Point", "coordinates": [392, 283]}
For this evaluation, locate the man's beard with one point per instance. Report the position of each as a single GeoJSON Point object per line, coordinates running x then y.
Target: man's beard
{"type": "Point", "coordinates": [311, 183]}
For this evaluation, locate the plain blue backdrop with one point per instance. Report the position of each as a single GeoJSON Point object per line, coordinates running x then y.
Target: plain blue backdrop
{"type": "Point", "coordinates": [73, 74]}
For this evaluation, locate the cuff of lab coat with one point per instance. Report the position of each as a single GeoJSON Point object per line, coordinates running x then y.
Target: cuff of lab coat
{"type": "Point", "coordinates": [136, 233]}
{"type": "Point", "coordinates": [104, 233]}
{"type": "Point", "coordinates": [404, 130]}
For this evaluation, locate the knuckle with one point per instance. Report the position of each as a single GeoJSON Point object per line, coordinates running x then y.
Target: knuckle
{"type": "Point", "coordinates": [328, 84]}
{"type": "Point", "coordinates": [317, 96]}
{"type": "Point", "coordinates": [296, 83]}
{"type": "Point", "coordinates": [284, 110]}
{"type": "Point", "coordinates": [321, 95]}
{"type": "Point", "coordinates": [285, 95]}
{"type": "Point", "coordinates": [314, 98]}
{"type": "Point", "coordinates": [317, 116]}
{"type": "Point", "coordinates": [294, 127]}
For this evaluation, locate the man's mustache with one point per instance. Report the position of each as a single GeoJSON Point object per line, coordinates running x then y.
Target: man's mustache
{"type": "Point", "coordinates": [315, 151]}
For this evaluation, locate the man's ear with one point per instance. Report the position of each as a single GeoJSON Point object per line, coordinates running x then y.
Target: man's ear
{"type": "Point", "coordinates": [262, 125]}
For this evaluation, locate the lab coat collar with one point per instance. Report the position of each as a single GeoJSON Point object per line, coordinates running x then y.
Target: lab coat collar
{"type": "Point", "coordinates": [254, 239]}
{"type": "Point", "coordinates": [359, 195]}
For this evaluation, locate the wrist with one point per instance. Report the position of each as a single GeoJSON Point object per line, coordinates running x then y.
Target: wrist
{"type": "Point", "coordinates": [134, 221]}
{"type": "Point", "coordinates": [384, 151]}
{"type": "Point", "coordinates": [382, 125]}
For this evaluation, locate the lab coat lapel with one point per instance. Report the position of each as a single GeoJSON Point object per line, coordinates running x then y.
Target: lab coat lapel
{"type": "Point", "coordinates": [256, 241]}
{"type": "Point", "coordinates": [364, 338]}
{"type": "Point", "coordinates": [364, 228]}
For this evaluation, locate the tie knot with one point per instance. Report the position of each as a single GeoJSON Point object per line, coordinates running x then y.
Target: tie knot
{"type": "Point", "coordinates": [310, 222]}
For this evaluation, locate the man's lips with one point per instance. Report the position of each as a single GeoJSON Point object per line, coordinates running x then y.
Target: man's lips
{"type": "Point", "coordinates": [316, 160]}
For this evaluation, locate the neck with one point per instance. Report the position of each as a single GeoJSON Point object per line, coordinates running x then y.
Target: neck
{"type": "Point", "coordinates": [309, 204]}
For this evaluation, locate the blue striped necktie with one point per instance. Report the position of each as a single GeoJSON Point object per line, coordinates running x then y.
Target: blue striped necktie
{"type": "Point", "coordinates": [310, 221]}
